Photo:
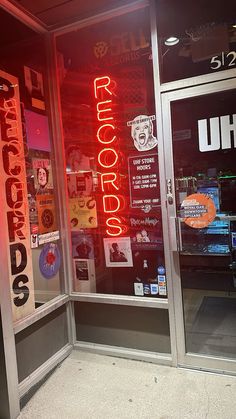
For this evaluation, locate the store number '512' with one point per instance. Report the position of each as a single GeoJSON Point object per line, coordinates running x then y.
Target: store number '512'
{"type": "Point", "coordinates": [223, 60]}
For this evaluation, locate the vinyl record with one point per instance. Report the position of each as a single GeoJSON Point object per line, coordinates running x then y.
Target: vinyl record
{"type": "Point", "coordinates": [49, 260]}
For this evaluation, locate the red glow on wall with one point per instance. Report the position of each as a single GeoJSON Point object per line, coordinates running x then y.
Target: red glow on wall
{"type": "Point", "coordinates": [108, 158]}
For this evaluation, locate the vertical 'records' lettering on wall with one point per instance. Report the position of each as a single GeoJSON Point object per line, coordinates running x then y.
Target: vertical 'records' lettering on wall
{"type": "Point", "coordinates": [15, 203]}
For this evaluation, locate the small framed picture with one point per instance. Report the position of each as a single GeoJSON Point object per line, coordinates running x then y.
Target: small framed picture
{"type": "Point", "coordinates": [118, 252]}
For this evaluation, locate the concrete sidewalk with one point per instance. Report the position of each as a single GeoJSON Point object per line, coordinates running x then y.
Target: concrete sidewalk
{"type": "Point", "coordinates": [101, 387]}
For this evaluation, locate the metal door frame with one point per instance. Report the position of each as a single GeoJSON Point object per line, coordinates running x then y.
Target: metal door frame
{"type": "Point", "coordinates": [198, 361]}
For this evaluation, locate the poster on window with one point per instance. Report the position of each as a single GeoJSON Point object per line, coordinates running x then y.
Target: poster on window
{"type": "Point", "coordinates": [79, 184]}
{"type": "Point", "coordinates": [46, 214]}
{"type": "Point", "coordinates": [37, 130]}
{"type": "Point", "coordinates": [84, 275]}
{"type": "Point", "coordinates": [42, 171]}
{"type": "Point", "coordinates": [82, 245]}
{"type": "Point", "coordinates": [118, 252]}
{"type": "Point", "coordinates": [144, 181]}
{"type": "Point", "coordinates": [83, 213]}
{"type": "Point", "coordinates": [35, 88]}
{"type": "Point", "coordinates": [81, 270]}
{"type": "Point", "coordinates": [146, 231]}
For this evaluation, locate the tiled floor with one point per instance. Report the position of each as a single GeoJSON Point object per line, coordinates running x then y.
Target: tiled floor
{"type": "Point", "coordinates": [101, 387]}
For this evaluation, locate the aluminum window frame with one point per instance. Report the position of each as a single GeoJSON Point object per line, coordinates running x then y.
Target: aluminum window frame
{"type": "Point", "coordinates": [188, 360]}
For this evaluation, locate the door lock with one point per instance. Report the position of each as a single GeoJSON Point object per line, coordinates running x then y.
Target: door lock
{"type": "Point", "coordinates": [169, 194]}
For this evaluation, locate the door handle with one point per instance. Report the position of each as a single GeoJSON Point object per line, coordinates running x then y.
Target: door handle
{"type": "Point", "coordinates": [174, 222]}
{"type": "Point", "coordinates": [175, 234]}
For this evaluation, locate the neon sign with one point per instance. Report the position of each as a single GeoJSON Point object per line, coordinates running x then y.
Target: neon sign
{"type": "Point", "coordinates": [108, 157]}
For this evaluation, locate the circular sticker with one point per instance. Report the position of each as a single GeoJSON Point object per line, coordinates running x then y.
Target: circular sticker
{"type": "Point", "coordinates": [47, 218]}
{"type": "Point", "coordinates": [49, 260]}
{"type": "Point", "coordinates": [198, 210]}
{"type": "Point", "coordinates": [161, 270]}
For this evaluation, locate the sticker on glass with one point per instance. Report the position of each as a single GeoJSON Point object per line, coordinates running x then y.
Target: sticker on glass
{"type": "Point", "coordinates": [49, 260]}
{"type": "Point", "coordinates": [198, 210]}
{"type": "Point", "coordinates": [142, 132]}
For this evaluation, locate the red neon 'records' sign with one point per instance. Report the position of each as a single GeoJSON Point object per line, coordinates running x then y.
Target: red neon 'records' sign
{"type": "Point", "coordinates": [108, 156]}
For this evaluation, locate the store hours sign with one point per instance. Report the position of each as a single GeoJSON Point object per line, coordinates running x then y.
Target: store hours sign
{"type": "Point", "coordinates": [14, 198]}
{"type": "Point", "coordinates": [144, 182]}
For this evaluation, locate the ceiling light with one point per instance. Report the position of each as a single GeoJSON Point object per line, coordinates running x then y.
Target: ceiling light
{"type": "Point", "coordinates": [234, 26]}
{"type": "Point", "coordinates": [172, 40]}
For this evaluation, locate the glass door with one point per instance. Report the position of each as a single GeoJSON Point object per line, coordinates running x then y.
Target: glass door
{"type": "Point", "coordinates": [200, 149]}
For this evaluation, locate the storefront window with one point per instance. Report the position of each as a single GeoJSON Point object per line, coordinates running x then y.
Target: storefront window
{"type": "Point", "coordinates": [111, 149]}
{"type": "Point", "coordinates": [27, 165]}
{"type": "Point", "coordinates": [195, 39]}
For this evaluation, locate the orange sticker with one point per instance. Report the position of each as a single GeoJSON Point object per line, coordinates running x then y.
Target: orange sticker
{"type": "Point", "coordinates": [198, 210]}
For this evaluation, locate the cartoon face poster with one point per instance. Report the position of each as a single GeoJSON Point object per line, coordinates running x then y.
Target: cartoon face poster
{"type": "Point", "coordinates": [142, 132]}
{"type": "Point", "coordinates": [146, 231]}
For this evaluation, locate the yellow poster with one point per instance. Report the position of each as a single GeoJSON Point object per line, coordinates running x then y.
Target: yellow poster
{"type": "Point", "coordinates": [83, 213]}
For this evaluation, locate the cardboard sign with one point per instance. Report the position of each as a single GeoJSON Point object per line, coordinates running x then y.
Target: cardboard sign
{"type": "Point", "coordinates": [15, 205]}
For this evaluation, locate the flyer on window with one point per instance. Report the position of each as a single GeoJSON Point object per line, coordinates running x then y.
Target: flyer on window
{"type": "Point", "coordinates": [83, 213]}
{"type": "Point", "coordinates": [84, 275]}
